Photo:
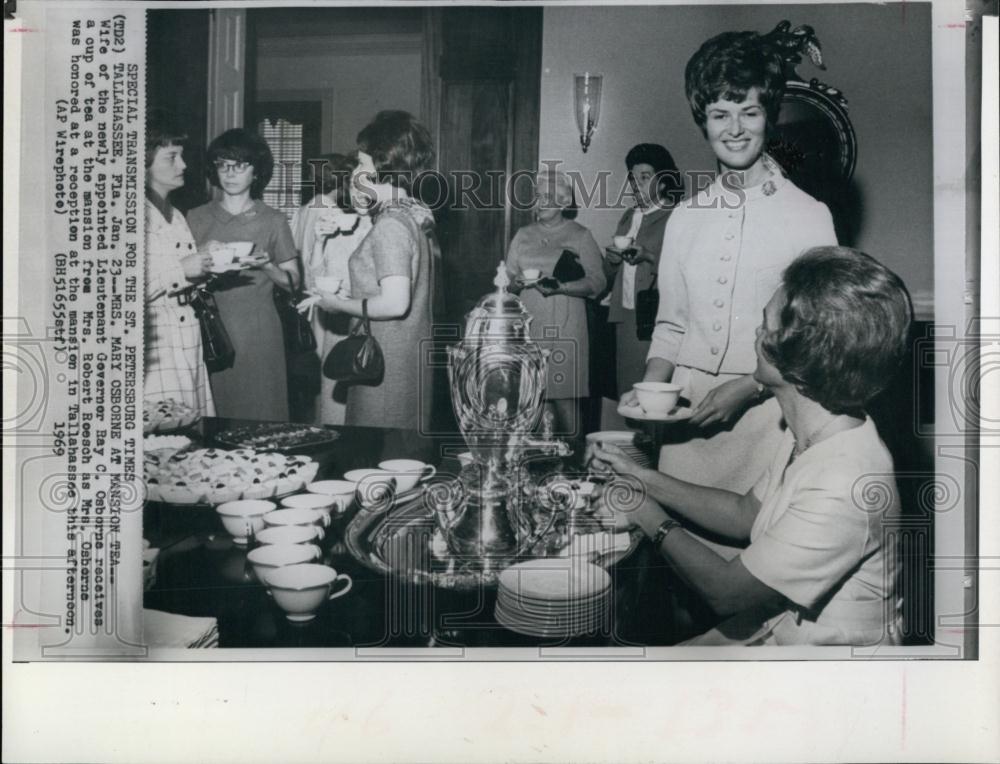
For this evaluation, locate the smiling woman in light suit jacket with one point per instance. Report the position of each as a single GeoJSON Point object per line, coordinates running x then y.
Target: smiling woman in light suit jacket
{"type": "Point", "coordinates": [723, 253]}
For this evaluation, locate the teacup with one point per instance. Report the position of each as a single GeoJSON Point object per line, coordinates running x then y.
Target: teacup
{"type": "Point", "coordinates": [321, 503]}
{"type": "Point", "coordinates": [531, 274]}
{"type": "Point", "coordinates": [242, 517]}
{"type": "Point", "coordinates": [340, 490]}
{"type": "Point", "coordinates": [289, 534]}
{"type": "Point", "coordinates": [373, 485]}
{"type": "Point", "coordinates": [622, 242]}
{"type": "Point", "coordinates": [267, 559]}
{"type": "Point", "coordinates": [223, 257]}
{"type": "Point", "coordinates": [241, 249]}
{"type": "Point", "coordinates": [329, 284]}
{"type": "Point", "coordinates": [298, 516]}
{"type": "Point", "coordinates": [408, 472]}
{"type": "Point", "coordinates": [299, 590]}
{"type": "Point", "coordinates": [657, 398]}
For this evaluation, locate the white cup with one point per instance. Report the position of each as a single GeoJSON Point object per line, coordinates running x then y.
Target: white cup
{"type": "Point", "coordinates": [408, 472]}
{"type": "Point", "coordinates": [289, 534]}
{"type": "Point", "coordinates": [298, 516]}
{"type": "Point", "coordinates": [531, 274]}
{"type": "Point", "coordinates": [241, 517]}
{"type": "Point", "coordinates": [223, 257]}
{"type": "Point", "coordinates": [657, 398]}
{"type": "Point", "coordinates": [325, 504]}
{"type": "Point", "coordinates": [622, 242]}
{"type": "Point", "coordinates": [241, 249]}
{"type": "Point", "coordinates": [299, 590]}
{"type": "Point", "coordinates": [266, 559]}
{"type": "Point", "coordinates": [374, 485]}
{"type": "Point", "coordinates": [342, 491]}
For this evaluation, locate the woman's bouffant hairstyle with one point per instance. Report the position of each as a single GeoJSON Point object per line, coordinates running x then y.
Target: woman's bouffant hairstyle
{"type": "Point", "coordinates": [727, 66]}
{"type": "Point", "coordinates": [844, 328]}
{"type": "Point", "coordinates": [240, 145]}
{"type": "Point", "coordinates": [400, 147]}
{"type": "Point", "coordinates": [162, 131]}
{"type": "Point", "coordinates": [668, 177]}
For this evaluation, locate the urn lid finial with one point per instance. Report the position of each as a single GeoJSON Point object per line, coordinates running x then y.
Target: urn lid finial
{"type": "Point", "coordinates": [502, 280]}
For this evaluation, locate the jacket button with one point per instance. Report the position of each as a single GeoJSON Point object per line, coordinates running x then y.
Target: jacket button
{"type": "Point", "coordinates": [181, 318]}
{"type": "Point", "coordinates": [730, 236]}
{"type": "Point", "coordinates": [719, 303]}
{"type": "Point", "coordinates": [726, 258]}
{"type": "Point", "coordinates": [715, 350]}
{"type": "Point", "coordinates": [717, 326]}
{"type": "Point", "coordinates": [723, 279]}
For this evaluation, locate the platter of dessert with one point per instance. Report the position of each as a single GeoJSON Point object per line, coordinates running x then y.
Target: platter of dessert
{"type": "Point", "coordinates": [166, 415]}
{"type": "Point", "coordinates": [273, 436]}
{"type": "Point", "coordinates": [214, 476]}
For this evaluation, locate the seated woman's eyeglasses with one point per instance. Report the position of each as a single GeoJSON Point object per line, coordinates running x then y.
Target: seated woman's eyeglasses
{"type": "Point", "coordinates": [223, 165]}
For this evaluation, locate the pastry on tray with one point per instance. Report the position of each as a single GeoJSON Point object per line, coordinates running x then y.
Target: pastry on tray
{"type": "Point", "coordinates": [215, 476]}
{"type": "Point", "coordinates": [269, 436]}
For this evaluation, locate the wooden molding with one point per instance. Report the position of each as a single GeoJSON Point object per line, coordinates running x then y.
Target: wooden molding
{"type": "Point", "coordinates": [339, 45]}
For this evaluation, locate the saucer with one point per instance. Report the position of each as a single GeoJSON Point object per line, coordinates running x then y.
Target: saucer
{"type": "Point", "coordinates": [677, 414]}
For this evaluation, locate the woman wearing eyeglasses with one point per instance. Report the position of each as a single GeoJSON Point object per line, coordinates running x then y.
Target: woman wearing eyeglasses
{"type": "Point", "coordinates": [240, 165]}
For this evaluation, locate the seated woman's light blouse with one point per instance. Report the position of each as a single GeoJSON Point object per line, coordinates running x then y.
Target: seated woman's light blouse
{"type": "Point", "coordinates": [821, 539]}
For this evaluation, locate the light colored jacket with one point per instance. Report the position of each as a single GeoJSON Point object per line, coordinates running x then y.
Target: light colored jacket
{"type": "Point", "coordinates": [724, 251]}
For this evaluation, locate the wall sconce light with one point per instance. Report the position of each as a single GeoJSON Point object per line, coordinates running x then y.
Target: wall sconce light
{"type": "Point", "coordinates": [587, 103]}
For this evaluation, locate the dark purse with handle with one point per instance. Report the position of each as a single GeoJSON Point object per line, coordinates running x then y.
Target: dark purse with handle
{"type": "Point", "coordinates": [568, 267]}
{"type": "Point", "coordinates": [647, 303]}
{"type": "Point", "coordinates": [217, 349]}
{"type": "Point", "coordinates": [358, 358]}
{"type": "Point", "coordinates": [301, 360]}
{"type": "Point", "coordinates": [299, 337]}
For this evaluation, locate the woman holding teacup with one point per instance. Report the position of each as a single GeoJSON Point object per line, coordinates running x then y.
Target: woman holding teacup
{"type": "Point", "coordinates": [723, 253]}
{"type": "Point", "coordinates": [254, 387]}
{"type": "Point", "coordinates": [392, 272]}
{"type": "Point", "coordinates": [326, 231]}
{"type": "Point", "coordinates": [533, 258]}
{"type": "Point", "coordinates": [174, 364]}
{"type": "Point", "coordinates": [816, 568]}
{"type": "Point", "coordinates": [632, 267]}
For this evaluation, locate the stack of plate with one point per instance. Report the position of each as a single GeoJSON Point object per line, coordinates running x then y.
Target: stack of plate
{"type": "Point", "coordinates": [553, 598]}
{"type": "Point", "coordinates": [626, 441]}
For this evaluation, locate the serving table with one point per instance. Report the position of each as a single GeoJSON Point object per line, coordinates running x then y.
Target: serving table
{"type": "Point", "coordinates": [202, 572]}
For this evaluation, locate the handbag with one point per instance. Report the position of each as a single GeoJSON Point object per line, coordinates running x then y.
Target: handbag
{"type": "Point", "coordinates": [356, 359]}
{"type": "Point", "coordinates": [299, 337]}
{"type": "Point", "coordinates": [647, 303]}
{"type": "Point", "coordinates": [301, 360]}
{"type": "Point", "coordinates": [217, 349]}
{"type": "Point", "coordinates": [568, 267]}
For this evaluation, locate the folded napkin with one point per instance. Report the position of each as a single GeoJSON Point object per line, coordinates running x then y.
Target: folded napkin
{"type": "Point", "coordinates": [592, 545]}
{"type": "Point", "coordinates": [172, 630]}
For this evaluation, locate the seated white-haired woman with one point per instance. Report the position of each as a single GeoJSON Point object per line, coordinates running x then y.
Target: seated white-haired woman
{"type": "Point", "coordinates": [816, 568]}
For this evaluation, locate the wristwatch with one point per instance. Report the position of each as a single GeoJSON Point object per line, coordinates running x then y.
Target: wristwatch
{"type": "Point", "coordinates": [663, 531]}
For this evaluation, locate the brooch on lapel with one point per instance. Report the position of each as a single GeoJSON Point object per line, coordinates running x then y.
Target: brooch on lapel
{"type": "Point", "coordinates": [769, 188]}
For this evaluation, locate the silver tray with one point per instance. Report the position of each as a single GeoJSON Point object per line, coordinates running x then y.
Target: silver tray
{"type": "Point", "coordinates": [403, 540]}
